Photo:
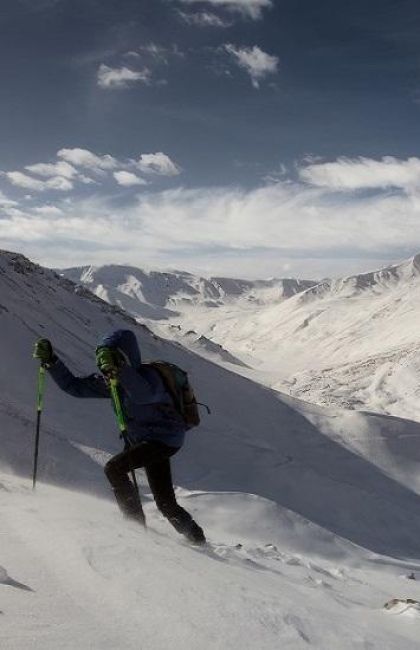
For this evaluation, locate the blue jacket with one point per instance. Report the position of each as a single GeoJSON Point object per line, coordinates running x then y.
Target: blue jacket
{"type": "Point", "coordinates": [147, 405]}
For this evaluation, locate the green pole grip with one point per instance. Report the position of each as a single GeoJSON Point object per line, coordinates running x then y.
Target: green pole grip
{"type": "Point", "coordinates": [117, 402]}
{"type": "Point", "coordinates": [41, 384]}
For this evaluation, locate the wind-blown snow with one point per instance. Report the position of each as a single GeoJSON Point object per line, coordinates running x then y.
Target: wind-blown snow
{"type": "Point", "coordinates": [312, 515]}
{"type": "Point", "coordinates": [79, 576]}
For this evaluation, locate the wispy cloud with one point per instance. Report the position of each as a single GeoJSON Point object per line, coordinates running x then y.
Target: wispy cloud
{"type": "Point", "coordinates": [85, 158]}
{"type": "Point", "coordinates": [158, 53]}
{"type": "Point", "coordinates": [79, 166]}
{"type": "Point", "coordinates": [203, 19]}
{"type": "Point", "coordinates": [60, 168]}
{"type": "Point", "coordinates": [224, 229]}
{"type": "Point", "coordinates": [5, 202]}
{"type": "Point", "coordinates": [119, 78]}
{"type": "Point", "coordinates": [364, 173]}
{"type": "Point", "coordinates": [258, 64]}
{"type": "Point", "coordinates": [49, 211]}
{"type": "Point", "coordinates": [30, 183]}
{"type": "Point", "coordinates": [250, 8]}
{"type": "Point", "coordinates": [128, 179]}
{"type": "Point", "coordinates": [143, 63]}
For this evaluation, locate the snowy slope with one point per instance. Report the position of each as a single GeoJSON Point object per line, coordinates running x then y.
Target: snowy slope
{"type": "Point", "coordinates": [324, 503]}
{"type": "Point", "coordinates": [263, 438]}
{"type": "Point", "coordinates": [74, 575]}
{"type": "Point", "coordinates": [352, 342]}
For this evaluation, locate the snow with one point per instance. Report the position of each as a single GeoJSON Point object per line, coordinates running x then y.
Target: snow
{"type": "Point", "coordinates": [352, 342]}
{"type": "Point", "coordinates": [312, 514]}
{"type": "Point", "coordinates": [81, 576]}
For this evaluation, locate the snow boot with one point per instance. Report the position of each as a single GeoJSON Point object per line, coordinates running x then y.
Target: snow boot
{"type": "Point", "coordinates": [189, 529]}
{"type": "Point", "coordinates": [195, 534]}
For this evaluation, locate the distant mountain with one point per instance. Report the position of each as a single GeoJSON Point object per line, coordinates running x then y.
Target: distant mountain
{"type": "Point", "coordinates": [353, 342]}
{"type": "Point", "coordinates": [157, 295]}
{"type": "Point", "coordinates": [163, 298]}
{"type": "Point", "coordinates": [377, 282]}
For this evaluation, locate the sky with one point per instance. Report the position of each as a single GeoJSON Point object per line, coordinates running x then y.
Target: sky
{"type": "Point", "coordinates": [247, 138]}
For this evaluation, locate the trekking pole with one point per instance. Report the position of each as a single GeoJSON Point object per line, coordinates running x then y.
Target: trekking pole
{"type": "Point", "coordinates": [123, 430]}
{"type": "Point", "coordinates": [41, 384]}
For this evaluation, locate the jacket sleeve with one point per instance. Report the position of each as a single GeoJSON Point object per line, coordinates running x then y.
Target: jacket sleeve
{"type": "Point", "coordinates": [90, 386]}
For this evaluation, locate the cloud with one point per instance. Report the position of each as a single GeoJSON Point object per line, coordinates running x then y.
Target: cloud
{"type": "Point", "coordinates": [257, 63]}
{"type": "Point", "coordinates": [159, 164]}
{"type": "Point", "coordinates": [85, 158]}
{"type": "Point", "coordinates": [58, 183]}
{"type": "Point", "coordinates": [28, 182]}
{"type": "Point", "coordinates": [127, 179]}
{"type": "Point", "coordinates": [60, 168]}
{"type": "Point", "coordinates": [364, 173]}
{"type": "Point", "coordinates": [158, 53]}
{"type": "Point", "coordinates": [250, 8]}
{"type": "Point", "coordinates": [49, 211]}
{"type": "Point", "coordinates": [25, 181]}
{"type": "Point", "coordinates": [118, 78]}
{"type": "Point", "coordinates": [203, 19]}
{"type": "Point", "coordinates": [12, 213]}
{"type": "Point", "coordinates": [86, 180]}
{"type": "Point", "coordinates": [276, 175]}
{"type": "Point", "coordinates": [74, 164]}
{"type": "Point", "coordinates": [6, 202]}
{"type": "Point", "coordinates": [227, 230]}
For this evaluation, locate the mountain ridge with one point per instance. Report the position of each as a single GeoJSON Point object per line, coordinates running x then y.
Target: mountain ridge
{"type": "Point", "coordinates": [380, 279]}
{"type": "Point", "coordinates": [352, 341]}
{"type": "Point", "coordinates": [165, 288]}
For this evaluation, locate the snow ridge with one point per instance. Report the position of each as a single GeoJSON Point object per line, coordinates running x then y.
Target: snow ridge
{"type": "Point", "coordinates": [174, 289]}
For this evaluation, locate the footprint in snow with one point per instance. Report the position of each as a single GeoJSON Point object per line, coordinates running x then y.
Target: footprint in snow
{"type": "Point", "coordinates": [404, 607]}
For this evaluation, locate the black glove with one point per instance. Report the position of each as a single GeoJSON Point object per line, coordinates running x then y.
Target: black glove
{"type": "Point", "coordinates": [108, 360]}
{"type": "Point", "coordinates": [45, 353]}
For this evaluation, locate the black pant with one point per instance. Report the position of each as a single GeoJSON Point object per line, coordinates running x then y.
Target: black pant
{"type": "Point", "coordinates": [155, 458]}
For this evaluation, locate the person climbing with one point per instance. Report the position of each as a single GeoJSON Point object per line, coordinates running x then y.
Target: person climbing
{"type": "Point", "coordinates": [155, 428]}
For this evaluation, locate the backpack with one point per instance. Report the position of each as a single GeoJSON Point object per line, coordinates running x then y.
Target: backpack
{"type": "Point", "coordinates": [177, 384]}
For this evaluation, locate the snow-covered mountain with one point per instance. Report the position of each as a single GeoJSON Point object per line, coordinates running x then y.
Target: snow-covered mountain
{"type": "Point", "coordinates": [158, 295]}
{"type": "Point", "coordinates": [169, 301]}
{"type": "Point", "coordinates": [313, 515]}
{"type": "Point", "coordinates": [351, 342]}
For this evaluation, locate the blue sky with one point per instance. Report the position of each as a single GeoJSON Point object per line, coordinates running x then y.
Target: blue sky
{"type": "Point", "coordinates": [249, 138]}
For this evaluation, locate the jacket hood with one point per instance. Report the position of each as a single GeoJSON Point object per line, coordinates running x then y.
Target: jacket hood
{"type": "Point", "coordinates": [126, 343]}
